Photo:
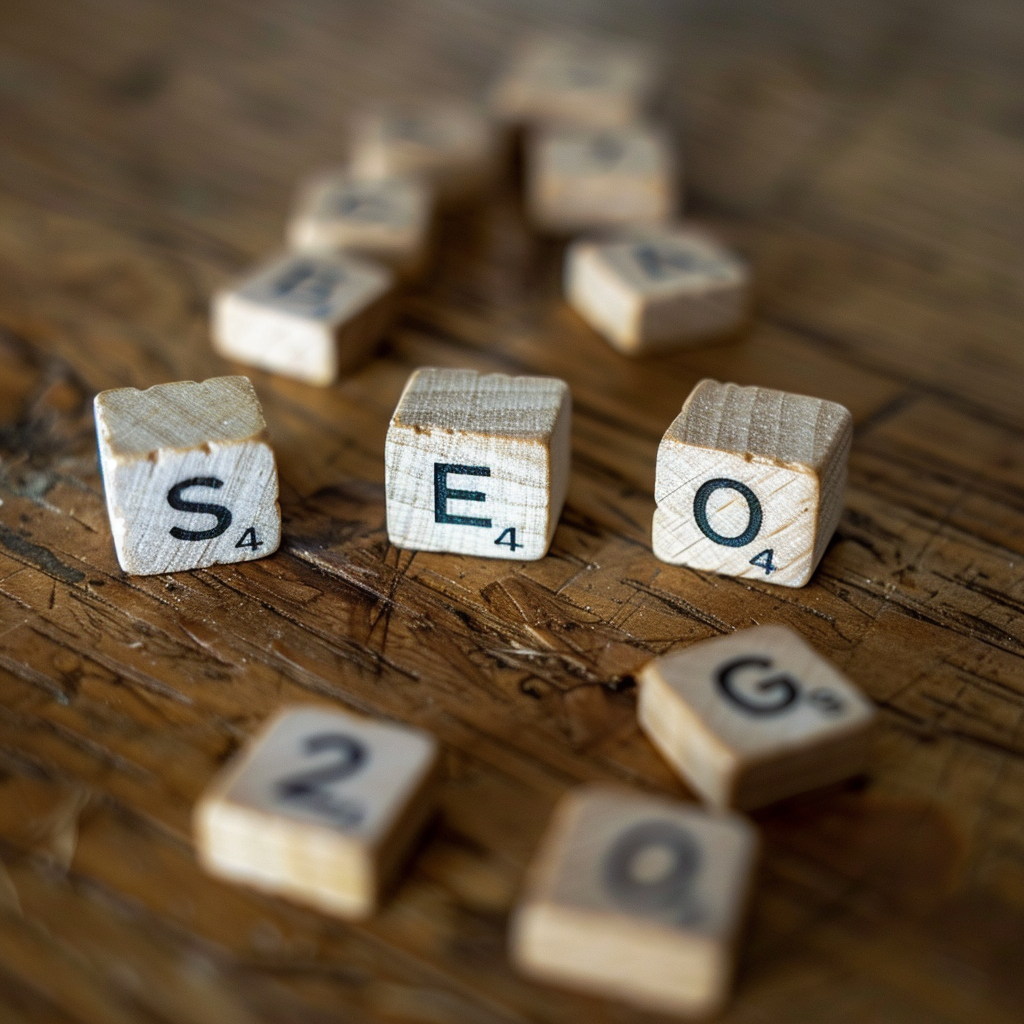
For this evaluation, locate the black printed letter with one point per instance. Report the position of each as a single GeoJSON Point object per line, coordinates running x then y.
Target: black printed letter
{"type": "Point", "coordinates": [670, 886]}
{"type": "Point", "coordinates": [785, 688]}
{"type": "Point", "coordinates": [442, 493]}
{"type": "Point", "coordinates": [175, 500]}
{"type": "Point", "coordinates": [700, 511]}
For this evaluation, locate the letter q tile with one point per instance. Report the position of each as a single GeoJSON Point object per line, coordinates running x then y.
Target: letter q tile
{"type": "Point", "coordinates": [637, 898]}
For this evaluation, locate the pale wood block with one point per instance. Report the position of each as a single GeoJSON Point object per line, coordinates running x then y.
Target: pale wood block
{"type": "Point", "coordinates": [753, 717]}
{"type": "Point", "coordinates": [637, 898]}
{"type": "Point", "coordinates": [578, 179]}
{"type": "Point", "coordinates": [190, 479]}
{"type": "Point", "coordinates": [477, 464]}
{"type": "Point", "coordinates": [321, 807]}
{"type": "Point", "coordinates": [659, 290]}
{"type": "Point", "coordinates": [750, 482]}
{"type": "Point", "coordinates": [385, 218]}
{"type": "Point", "coordinates": [304, 315]}
{"type": "Point", "coordinates": [448, 142]}
{"type": "Point", "coordinates": [588, 81]}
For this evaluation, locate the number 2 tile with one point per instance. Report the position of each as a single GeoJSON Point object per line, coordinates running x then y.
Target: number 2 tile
{"type": "Point", "coordinates": [638, 898]}
{"type": "Point", "coordinates": [755, 716]}
{"type": "Point", "coordinates": [321, 808]}
{"type": "Point", "coordinates": [190, 479]}
{"type": "Point", "coordinates": [477, 464]}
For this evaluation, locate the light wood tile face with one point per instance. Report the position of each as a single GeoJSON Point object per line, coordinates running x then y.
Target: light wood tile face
{"type": "Point", "coordinates": [308, 316]}
{"type": "Point", "coordinates": [190, 480]}
{"type": "Point", "coordinates": [750, 482]}
{"type": "Point", "coordinates": [477, 464]}
{"type": "Point", "coordinates": [638, 898]}
{"type": "Point", "coordinates": [579, 179]}
{"type": "Point", "coordinates": [320, 807]}
{"type": "Point", "coordinates": [575, 79]}
{"type": "Point", "coordinates": [384, 218]}
{"type": "Point", "coordinates": [753, 717]}
{"type": "Point", "coordinates": [448, 142]}
{"type": "Point", "coordinates": [657, 291]}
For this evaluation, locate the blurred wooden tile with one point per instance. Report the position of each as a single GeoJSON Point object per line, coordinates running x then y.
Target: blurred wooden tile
{"type": "Point", "coordinates": [664, 289]}
{"type": "Point", "coordinates": [638, 898]}
{"type": "Point", "coordinates": [753, 717]}
{"type": "Point", "coordinates": [305, 315]}
{"type": "Point", "coordinates": [578, 179]}
{"type": "Point", "coordinates": [575, 79]}
{"type": "Point", "coordinates": [321, 807]}
{"type": "Point", "coordinates": [448, 142]}
{"type": "Point", "coordinates": [384, 218]}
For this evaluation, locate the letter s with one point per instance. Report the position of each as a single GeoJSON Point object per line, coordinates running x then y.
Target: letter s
{"type": "Point", "coordinates": [176, 501]}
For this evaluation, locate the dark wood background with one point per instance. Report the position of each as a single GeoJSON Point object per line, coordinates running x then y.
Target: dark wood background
{"type": "Point", "coordinates": [869, 158]}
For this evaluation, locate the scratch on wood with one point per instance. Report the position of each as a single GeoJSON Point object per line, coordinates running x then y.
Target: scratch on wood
{"type": "Point", "coordinates": [39, 556]}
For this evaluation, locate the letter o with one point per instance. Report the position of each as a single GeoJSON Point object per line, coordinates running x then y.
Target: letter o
{"type": "Point", "coordinates": [700, 511]}
{"type": "Point", "coordinates": [674, 886]}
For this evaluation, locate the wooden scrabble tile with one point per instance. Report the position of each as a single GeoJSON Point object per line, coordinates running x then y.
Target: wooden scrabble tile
{"type": "Point", "coordinates": [189, 477]}
{"type": "Point", "coordinates": [321, 807]}
{"type": "Point", "coordinates": [638, 898]}
{"type": "Point", "coordinates": [477, 464]}
{"type": "Point", "coordinates": [750, 482]}
{"type": "Point", "coordinates": [449, 142]}
{"type": "Point", "coordinates": [308, 316]}
{"type": "Point", "coordinates": [575, 79]}
{"type": "Point", "coordinates": [753, 717]}
{"type": "Point", "coordinates": [660, 290]}
{"type": "Point", "coordinates": [579, 179]}
{"type": "Point", "coordinates": [384, 218]}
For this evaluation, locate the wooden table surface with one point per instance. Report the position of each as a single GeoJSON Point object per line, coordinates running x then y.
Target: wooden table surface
{"type": "Point", "coordinates": [868, 158]}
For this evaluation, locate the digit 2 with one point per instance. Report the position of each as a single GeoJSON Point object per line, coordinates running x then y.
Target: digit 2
{"type": "Point", "coordinates": [311, 787]}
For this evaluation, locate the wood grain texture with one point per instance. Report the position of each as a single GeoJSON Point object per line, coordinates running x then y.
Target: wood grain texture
{"type": "Point", "coordinates": [865, 158]}
{"type": "Point", "coordinates": [754, 717]}
{"type": "Point", "coordinates": [751, 482]}
{"type": "Point", "coordinates": [638, 898]}
{"type": "Point", "coordinates": [189, 478]}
